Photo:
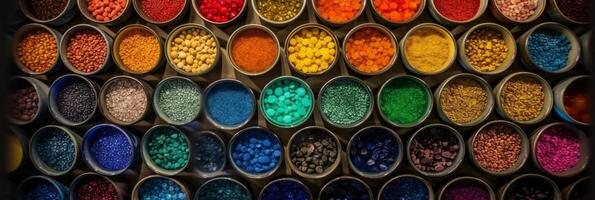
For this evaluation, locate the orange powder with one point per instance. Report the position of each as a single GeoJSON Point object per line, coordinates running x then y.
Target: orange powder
{"type": "Point", "coordinates": [254, 50]}
{"type": "Point", "coordinates": [369, 50]}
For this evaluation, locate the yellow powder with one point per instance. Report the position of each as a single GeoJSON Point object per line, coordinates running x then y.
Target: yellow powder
{"type": "Point", "coordinates": [14, 153]}
{"type": "Point", "coordinates": [427, 50]}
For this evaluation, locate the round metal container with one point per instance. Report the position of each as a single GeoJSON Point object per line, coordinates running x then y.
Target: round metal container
{"type": "Point", "coordinates": [427, 90]}
{"type": "Point", "coordinates": [523, 155]}
{"type": "Point", "coordinates": [483, 4]}
{"type": "Point", "coordinates": [239, 31]}
{"type": "Point", "coordinates": [308, 90]}
{"type": "Point", "coordinates": [504, 189]}
{"type": "Point", "coordinates": [25, 185]}
{"type": "Point", "coordinates": [467, 179]}
{"type": "Point", "coordinates": [172, 21]}
{"type": "Point", "coordinates": [53, 97]}
{"type": "Point", "coordinates": [351, 78]}
{"type": "Point", "coordinates": [487, 110]}
{"type": "Point", "coordinates": [103, 104]}
{"type": "Point", "coordinates": [136, 190]}
{"type": "Point", "coordinates": [226, 179]}
{"type": "Point", "coordinates": [573, 55]}
{"type": "Point", "coordinates": [42, 166]}
{"type": "Point", "coordinates": [380, 28]}
{"type": "Point", "coordinates": [232, 145]}
{"type": "Point", "coordinates": [322, 28]}
{"type": "Point", "coordinates": [147, 157]}
{"type": "Point", "coordinates": [391, 169]}
{"type": "Point", "coordinates": [193, 139]}
{"type": "Point", "coordinates": [567, 192]}
{"type": "Point", "coordinates": [346, 178]}
{"type": "Point", "coordinates": [260, 196]}
{"type": "Point", "coordinates": [243, 11]}
{"type": "Point", "coordinates": [159, 110]}
{"type": "Point", "coordinates": [84, 4]}
{"type": "Point", "coordinates": [19, 36]}
{"type": "Point", "coordinates": [90, 159]}
{"type": "Point", "coordinates": [336, 24]}
{"type": "Point", "coordinates": [506, 36]}
{"type": "Point", "coordinates": [118, 40]}
{"type": "Point", "coordinates": [298, 137]}
{"type": "Point", "coordinates": [42, 91]}
{"type": "Point", "coordinates": [384, 187]}
{"type": "Point", "coordinates": [70, 33]}
{"type": "Point", "coordinates": [585, 151]}
{"type": "Point", "coordinates": [455, 163]}
{"type": "Point", "coordinates": [206, 109]}
{"type": "Point", "coordinates": [438, 28]}
{"type": "Point", "coordinates": [560, 90]}
{"type": "Point", "coordinates": [121, 187]}
{"type": "Point", "coordinates": [585, 58]}
{"type": "Point", "coordinates": [278, 23]}
{"type": "Point", "coordinates": [64, 17]}
{"type": "Point", "coordinates": [548, 101]}
{"type": "Point", "coordinates": [174, 33]}
{"type": "Point", "coordinates": [24, 145]}
{"type": "Point", "coordinates": [555, 13]}
{"type": "Point", "coordinates": [388, 22]}
{"type": "Point", "coordinates": [497, 12]}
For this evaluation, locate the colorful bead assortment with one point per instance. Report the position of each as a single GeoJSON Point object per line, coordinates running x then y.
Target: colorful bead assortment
{"type": "Point", "coordinates": [346, 138]}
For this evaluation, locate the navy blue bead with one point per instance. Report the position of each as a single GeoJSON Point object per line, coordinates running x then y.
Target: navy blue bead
{"type": "Point", "coordinates": [111, 149]}
{"type": "Point", "coordinates": [345, 189]}
{"type": "Point", "coordinates": [374, 150]}
{"type": "Point", "coordinates": [549, 49]}
{"type": "Point", "coordinates": [256, 151]}
{"type": "Point", "coordinates": [285, 190]}
{"type": "Point", "coordinates": [405, 188]}
{"type": "Point", "coordinates": [42, 191]}
{"type": "Point", "coordinates": [160, 189]}
{"type": "Point", "coordinates": [229, 103]}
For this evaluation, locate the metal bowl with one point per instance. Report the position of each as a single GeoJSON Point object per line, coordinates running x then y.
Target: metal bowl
{"type": "Point", "coordinates": [232, 144]}
{"type": "Point", "coordinates": [351, 78]}
{"type": "Point", "coordinates": [489, 104]}
{"type": "Point", "coordinates": [548, 101]}
{"type": "Point", "coordinates": [122, 33]}
{"type": "Point", "coordinates": [322, 28]}
{"type": "Point", "coordinates": [237, 32]}
{"type": "Point", "coordinates": [136, 190]}
{"type": "Point", "coordinates": [506, 36]}
{"type": "Point", "coordinates": [103, 104]}
{"type": "Point", "coordinates": [425, 182]}
{"type": "Point", "coordinates": [466, 179]}
{"type": "Point", "coordinates": [174, 33]}
{"type": "Point", "coordinates": [172, 21]}
{"type": "Point", "coordinates": [429, 98]}
{"type": "Point", "coordinates": [556, 191]}
{"type": "Point", "coordinates": [147, 157]}
{"type": "Point", "coordinates": [451, 43]}
{"type": "Point", "coordinates": [455, 163]}
{"type": "Point", "coordinates": [393, 166]}
{"type": "Point", "coordinates": [70, 33]}
{"type": "Point", "coordinates": [297, 137]}
{"type": "Point", "coordinates": [206, 109]}
{"type": "Point", "coordinates": [335, 24]}
{"type": "Point", "coordinates": [278, 23]}
{"type": "Point", "coordinates": [19, 36]}
{"type": "Point", "coordinates": [382, 29]}
{"type": "Point", "coordinates": [281, 78]}
{"type": "Point", "coordinates": [159, 110]}
{"type": "Point", "coordinates": [347, 178]}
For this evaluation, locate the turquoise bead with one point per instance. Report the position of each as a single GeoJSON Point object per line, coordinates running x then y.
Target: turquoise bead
{"type": "Point", "coordinates": [293, 102]}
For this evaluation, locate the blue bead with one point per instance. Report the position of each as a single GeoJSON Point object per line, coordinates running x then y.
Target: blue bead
{"type": "Point", "coordinates": [229, 103]}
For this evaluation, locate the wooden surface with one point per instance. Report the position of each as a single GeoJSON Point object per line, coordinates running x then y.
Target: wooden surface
{"type": "Point", "coordinates": [225, 70]}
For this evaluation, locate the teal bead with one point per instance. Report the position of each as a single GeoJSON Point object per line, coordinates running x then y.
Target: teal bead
{"type": "Point", "coordinates": [278, 91]}
{"type": "Point", "coordinates": [168, 148]}
{"type": "Point", "coordinates": [300, 91]}
{"type": "Point", "coordinates": [292, 105]}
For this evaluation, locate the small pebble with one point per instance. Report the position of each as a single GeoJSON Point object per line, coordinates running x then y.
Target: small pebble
{"type": "Point", "coordinates": [313, 151]}
{"type": "Point", "coordinates": [375, 150]}
{"type": "Point", "coordinates": [223, 189]}
{"type": "Point", "coordinates": [256, 151]}
{"type": "Point", "coordinates": [287, 102]}
{"type": "Point", "coordinates": [159, 188]}
{"type": "Point", "coordinates": [346, 101]}
{"type": "Point", "coordinates": [23, 104]}
{"type": "Point", "coordinates": [434, 149]}
{"type": "Point", "coordinates": [345, 189]}
{"type": "Point", "coordinates": [168, 148]}
{"type": "Point", "coordinates": [209, 153]}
